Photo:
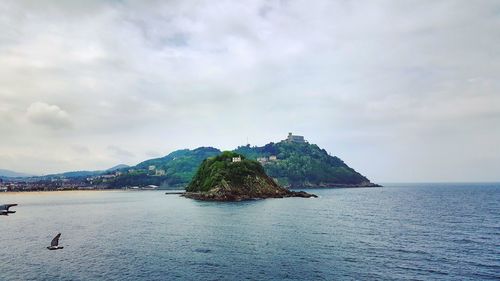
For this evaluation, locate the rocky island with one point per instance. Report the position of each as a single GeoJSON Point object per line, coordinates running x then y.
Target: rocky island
{"type": "Point", "coordinates": [232, 177]}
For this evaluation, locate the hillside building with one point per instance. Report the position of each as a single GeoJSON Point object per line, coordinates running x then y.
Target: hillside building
{"type": "Point", "coordinates": [294, 138]}
{"type": "Point", "coordinates": [262, 159]}
{"type": "Point", "coordinates": [160, 173]}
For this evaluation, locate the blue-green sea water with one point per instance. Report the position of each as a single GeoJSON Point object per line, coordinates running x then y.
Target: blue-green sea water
{"type": "Point", "coordinates": [398, 232]}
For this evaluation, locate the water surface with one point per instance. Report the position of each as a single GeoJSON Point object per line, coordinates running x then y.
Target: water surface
{"type": "Point", "coordinates": [399, 232]}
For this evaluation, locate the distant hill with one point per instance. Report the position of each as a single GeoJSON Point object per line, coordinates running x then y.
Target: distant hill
{"type": "Point", "coordinates": [85, 174]}
{"type": "Point", "coordinates": [117, 167]}
{"type": "Point", "coordinates": [293, 163]}
{"type": "Point", "coordinates": [174, 170]}
{"type": "Point", "coordinates": [300, 164]}
{"type": "Point", "coordinates": [12, 174]}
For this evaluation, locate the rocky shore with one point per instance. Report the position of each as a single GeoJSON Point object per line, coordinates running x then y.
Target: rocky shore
{"type": "Point", "coordinates": [333, 185]}
{"type": "Point", "coordinates": [218, 196]}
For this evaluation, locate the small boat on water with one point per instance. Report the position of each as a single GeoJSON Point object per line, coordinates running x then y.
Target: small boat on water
{"type": "Point", "coordinates": [54, 245]}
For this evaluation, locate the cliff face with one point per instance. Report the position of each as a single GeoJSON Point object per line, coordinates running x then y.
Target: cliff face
{"type": "Point", "coordinates": [232, 177]}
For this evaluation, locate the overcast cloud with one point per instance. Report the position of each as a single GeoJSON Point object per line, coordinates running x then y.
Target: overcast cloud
{"type": "Point", "coordinates": [400, 90]}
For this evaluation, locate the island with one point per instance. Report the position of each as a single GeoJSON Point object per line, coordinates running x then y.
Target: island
{"type": "Point", "coordinates": [232, 177]}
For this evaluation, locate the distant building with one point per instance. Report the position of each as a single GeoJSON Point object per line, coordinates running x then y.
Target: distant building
{"type": "Point", "coordinates": [262, 159]}
{"type": "Point", "coordinates": [294, 138]}
{"type": "Point", "coordinates": [273, 158]}
{"type": "Point", "coordinates": [237, 159]}
{"type": "Point", "coordinates": [106, 178]}
{"type": "Point", "coordinates": [152, 167]}
{"type": "Point", "coordinates": [160, 172]}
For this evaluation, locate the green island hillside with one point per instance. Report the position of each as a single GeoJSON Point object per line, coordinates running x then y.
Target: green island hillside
{"type": "Point", "coordinates": [300, 164]}
{"type": "Point", "coordinates": [231, 177]}
{"type": "Point", "coordinates": [293, 163]}
{"type": "Point", "coordinates": [174, 170]}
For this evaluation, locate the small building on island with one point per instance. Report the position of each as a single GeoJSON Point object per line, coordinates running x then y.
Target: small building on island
{"type": "Point", "coordinates": [236, 159]}
{"type": "Point", "coordinates": [160, 173]}
{"type": "Point", "coordinates": [262, 159]}
{"type": "Point", "coordinates": [265, 160]}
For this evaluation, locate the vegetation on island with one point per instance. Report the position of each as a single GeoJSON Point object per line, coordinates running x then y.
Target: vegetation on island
{"type": "Point", "coordinates": [221, 170]}
{"type": "Point", "coordinates": [304, 165]}
{"type": "Point", "coordinates": [232, 177]}
{"type": "Point", "coordinates": [291, 164]}
{"type": "Point", "coordinates": [178, 168]}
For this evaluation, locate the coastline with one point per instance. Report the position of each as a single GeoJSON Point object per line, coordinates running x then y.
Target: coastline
{"type": "Point", "coordinates": [230, 197]}
{"type": "Point", "coordinates": [176, 191]}
{"type": "Point", "coordinates": [58, 191]}
{"type": "Point", "coordinates": [326, 186]}
{"type": "Point", "coordinates": [85, 190]}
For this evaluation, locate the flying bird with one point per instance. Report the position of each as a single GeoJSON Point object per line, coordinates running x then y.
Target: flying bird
{"type": "Point", "coordinates": [4, 209]}
{"type": "Point", "coordinates": [54, 245]}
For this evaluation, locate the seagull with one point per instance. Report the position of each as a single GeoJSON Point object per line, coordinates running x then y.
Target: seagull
{"type": "Point", "coordinates": [54, 245]}
{"type": "Point", "coordinates": [4, 209]}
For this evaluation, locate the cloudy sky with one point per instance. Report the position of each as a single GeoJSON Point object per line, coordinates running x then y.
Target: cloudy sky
{"type": "Point", "coordinates": [400, 90]}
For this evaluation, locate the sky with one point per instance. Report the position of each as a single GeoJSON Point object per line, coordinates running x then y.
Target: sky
{"type": "Point", "coordinates": [402, 91]}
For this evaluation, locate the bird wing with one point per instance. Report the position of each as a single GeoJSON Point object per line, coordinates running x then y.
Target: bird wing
{"type": "Point", "coordinates": [7, 206]}
{"type": "Point", "coordinates": [4, 209]}
{"type": "Point", "coordinates": [55, 241]}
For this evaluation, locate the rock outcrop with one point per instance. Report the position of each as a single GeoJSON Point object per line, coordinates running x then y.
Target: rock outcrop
{"type": "Point", "coordinates": [231, 177]}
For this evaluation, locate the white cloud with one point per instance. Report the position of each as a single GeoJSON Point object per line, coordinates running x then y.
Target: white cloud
{"type": "Point", "coordinates": [50, 116]}
{"type": "Point", "coordinates": [365, 80]}
{"type": "Point", "coordinates": [120, 153]}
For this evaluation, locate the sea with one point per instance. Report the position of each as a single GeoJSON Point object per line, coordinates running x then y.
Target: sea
{"type": "Point", "coordinates": [424, 231]}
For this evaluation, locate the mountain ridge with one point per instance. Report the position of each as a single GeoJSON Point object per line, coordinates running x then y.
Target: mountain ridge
{"type": "Point", "coordinates": [13, 174]}
{"type": "Point", "coordinates": [293, 163]}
